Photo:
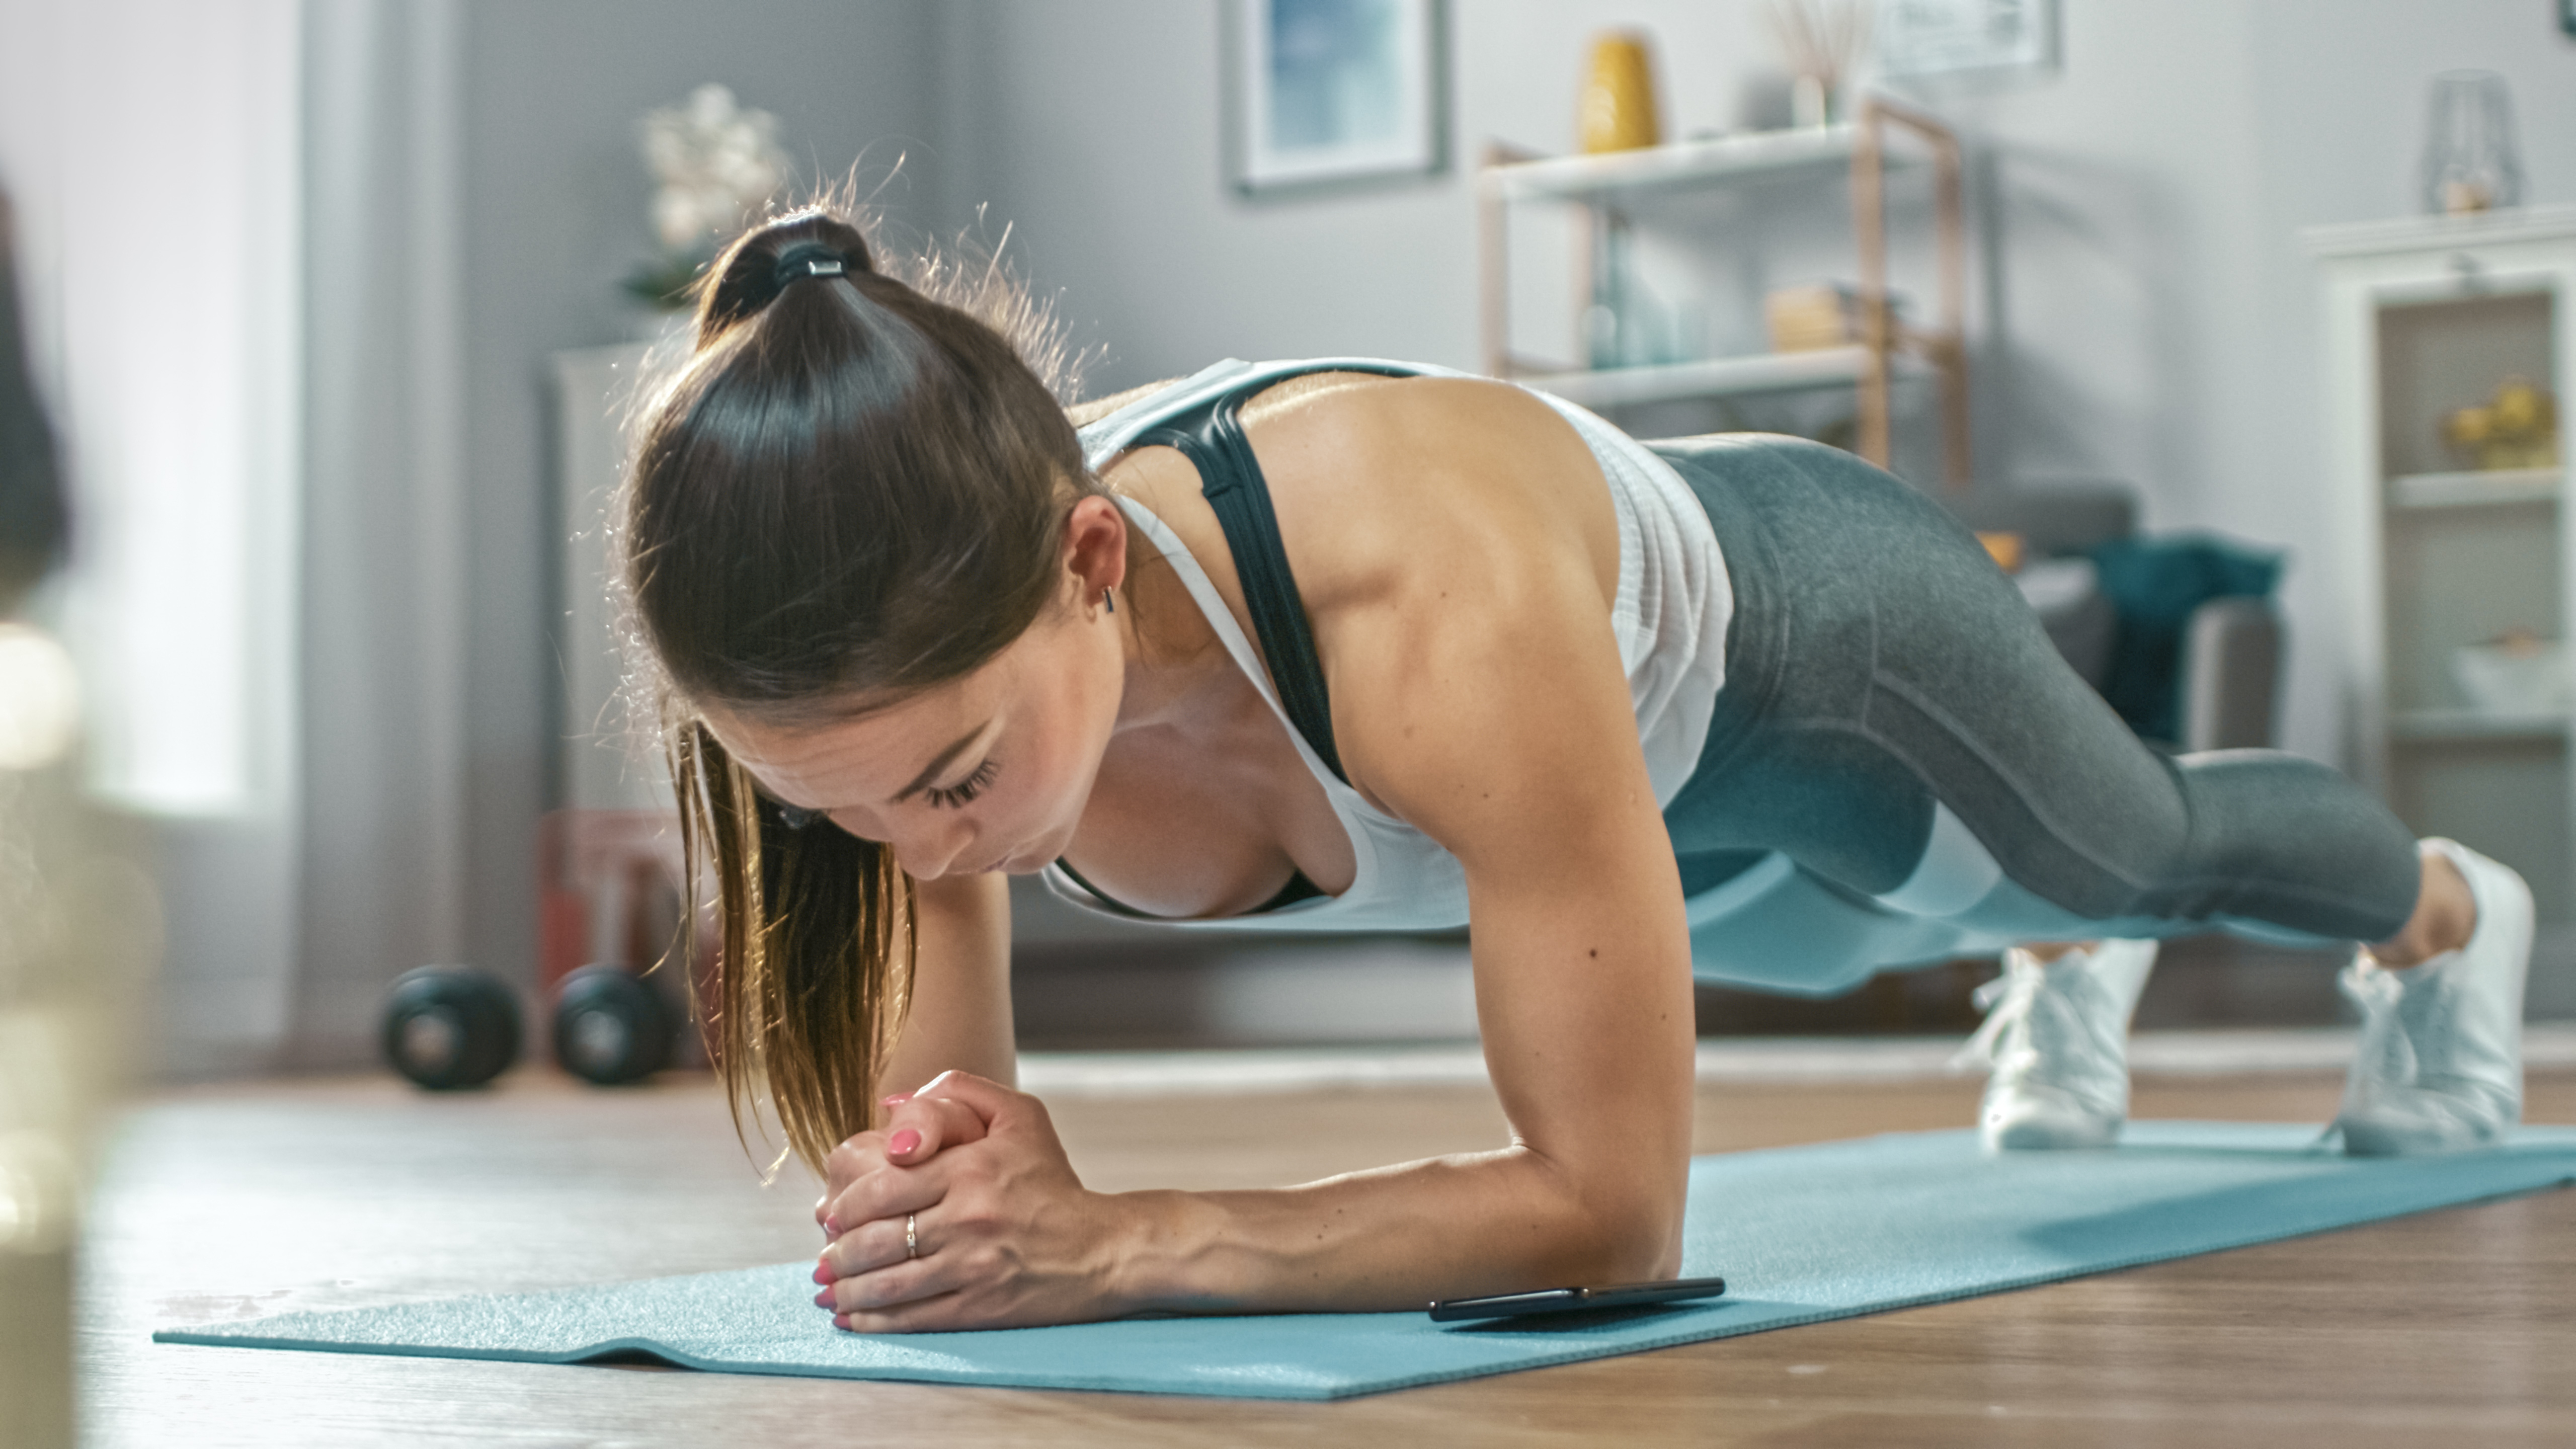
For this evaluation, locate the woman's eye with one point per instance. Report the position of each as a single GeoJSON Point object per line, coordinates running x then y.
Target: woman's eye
{"type": "Point", "coordinates": [797, 819]}
{"type": "Point", "coordinates": [949, 797]}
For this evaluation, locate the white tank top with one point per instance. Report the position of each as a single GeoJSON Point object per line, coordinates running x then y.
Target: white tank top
{"type": "Point", "coordinates": [1670, 618]}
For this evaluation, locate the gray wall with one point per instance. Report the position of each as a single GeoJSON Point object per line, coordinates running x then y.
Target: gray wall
{"type": "Point", "coordinates": [2152, 318]}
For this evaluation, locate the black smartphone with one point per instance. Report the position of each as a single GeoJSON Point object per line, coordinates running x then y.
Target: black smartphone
{"type": "Point", "coordinates": [1575, 1300]}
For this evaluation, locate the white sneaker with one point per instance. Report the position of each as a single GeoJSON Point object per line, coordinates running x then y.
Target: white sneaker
{"type": "Point", "coordinates": [2440, 1065]}
{"type": "Point", "coordinates": [2057, 1037]}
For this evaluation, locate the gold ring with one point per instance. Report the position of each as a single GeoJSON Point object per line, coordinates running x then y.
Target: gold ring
{"type": "Point", "coordinates": [911, 1236]}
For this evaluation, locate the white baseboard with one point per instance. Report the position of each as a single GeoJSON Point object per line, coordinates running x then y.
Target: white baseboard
{"type": "Point", "coordinates": [2546, 1046]}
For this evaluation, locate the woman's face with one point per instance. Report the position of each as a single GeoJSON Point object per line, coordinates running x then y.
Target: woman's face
{"type": "Point", "coordinates": [987, 773]}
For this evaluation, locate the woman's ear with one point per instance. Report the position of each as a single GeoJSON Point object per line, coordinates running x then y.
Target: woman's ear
{"type": "Point", "coordinates": [1095, 545]}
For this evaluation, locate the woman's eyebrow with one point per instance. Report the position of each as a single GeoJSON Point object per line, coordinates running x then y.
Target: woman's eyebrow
{"type": "Point", "coordinates": [940, 763]}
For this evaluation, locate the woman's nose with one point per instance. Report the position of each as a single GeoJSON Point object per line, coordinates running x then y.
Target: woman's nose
{"type": "Point", "coordinates": [930, 849]}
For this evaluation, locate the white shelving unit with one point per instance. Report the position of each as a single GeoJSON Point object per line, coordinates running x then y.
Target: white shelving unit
{"type": "Point", "coordinates": [2445, 724]}
{"type": "Point", "coordinates": [1609, 185]}
{"type": "Point", "coordinates": [2468, 490]}
{"type": "Point", "coordinates": [2423, 316]}
{"type": "Point", "coordinates": [1820, 151]}
{"type": "Point", "coordinates": [1747, 376]}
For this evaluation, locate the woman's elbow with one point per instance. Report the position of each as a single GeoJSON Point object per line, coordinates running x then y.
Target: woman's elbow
{"type": "Point", "coordinates": [1630, 1236]}
{"type": "Point", "coordinates": [1646, 1249]}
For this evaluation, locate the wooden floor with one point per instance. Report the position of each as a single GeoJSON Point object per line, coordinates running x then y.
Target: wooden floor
{"type": "Point", "coordinates": [2451, 1328]}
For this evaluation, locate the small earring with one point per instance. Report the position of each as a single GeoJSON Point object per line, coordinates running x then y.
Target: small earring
{"type": "Point", "coordinates": [1108, 600]}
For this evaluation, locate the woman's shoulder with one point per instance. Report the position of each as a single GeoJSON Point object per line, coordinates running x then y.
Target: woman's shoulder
{"type": "Point", "coordinates": [1400, 495]}
{"type": "Point", "coordinates": [1377, 479]}
{"type": "Point", "coordinates": [1084, 414]}
{"type": "Point", "coordinates": [1258, 384]}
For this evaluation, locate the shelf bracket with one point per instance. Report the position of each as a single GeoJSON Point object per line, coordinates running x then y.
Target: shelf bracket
{"type": "Point", "coordinates": [1944, 346]}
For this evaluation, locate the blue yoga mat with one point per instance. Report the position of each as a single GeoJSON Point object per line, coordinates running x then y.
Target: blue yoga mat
{"type": "Point", "coordinates": [1802, 1234]}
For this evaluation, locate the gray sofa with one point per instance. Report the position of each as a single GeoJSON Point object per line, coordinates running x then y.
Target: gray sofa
{"type": "Point", "coordinates": [2231, 663]}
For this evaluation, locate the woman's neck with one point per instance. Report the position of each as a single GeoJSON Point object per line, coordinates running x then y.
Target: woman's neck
{"type": "Point", "coordinates": [1178, 670]}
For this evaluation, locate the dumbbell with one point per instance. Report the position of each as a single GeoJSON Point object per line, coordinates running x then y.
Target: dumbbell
{"type": "Point", "coordinates": [450, 1027]}
{"type": "Point", "coordinates": [612, 1026]}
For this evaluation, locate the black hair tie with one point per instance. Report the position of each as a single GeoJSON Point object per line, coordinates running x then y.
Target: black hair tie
{"type": "Point", "coordinates": [808, 259]}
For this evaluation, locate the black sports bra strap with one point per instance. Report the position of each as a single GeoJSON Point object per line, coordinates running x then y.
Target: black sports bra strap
{"type": "Point", "coordinates": [1211, 437]}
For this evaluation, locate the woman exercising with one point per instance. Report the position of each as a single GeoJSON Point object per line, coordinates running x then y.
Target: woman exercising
{"type": "Point", "coordinates": [1364, 646]}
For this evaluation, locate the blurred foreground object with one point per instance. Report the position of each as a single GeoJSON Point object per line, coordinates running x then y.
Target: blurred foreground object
{"type": "Point", "coordinates": [2471, 160]}
{"type": "Point", "coordinates": [33, 517]}
{"type": "Point", "coordinates": [78, 928]}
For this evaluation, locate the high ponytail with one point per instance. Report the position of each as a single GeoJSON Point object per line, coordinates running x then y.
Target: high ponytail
{"type": "Point", "coordinates": [851, 491]}
{"type": "Point", "coordinates": [749, 276]}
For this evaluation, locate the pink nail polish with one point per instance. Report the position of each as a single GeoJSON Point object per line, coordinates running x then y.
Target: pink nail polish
{"type": "Point", "coordinates": [832, 1226]}
{"type": "Point", "coordinates": [824, 1299]}
{"type": "Point", "coordinates": [897, 1100]}
{"type": "Point", "coordinates": [822, 1272]}
{"type": "Point", "coordinates": [903, 1142]}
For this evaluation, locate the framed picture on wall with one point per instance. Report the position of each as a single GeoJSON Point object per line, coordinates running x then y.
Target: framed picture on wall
{"type": "Point", "coordinates": [1325, 93]}
{"type": "Point", "coordinates": [1917, 38]}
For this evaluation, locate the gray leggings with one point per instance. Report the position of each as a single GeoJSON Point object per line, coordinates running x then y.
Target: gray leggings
{"type": "Point", "coordinates": [1902, 770]}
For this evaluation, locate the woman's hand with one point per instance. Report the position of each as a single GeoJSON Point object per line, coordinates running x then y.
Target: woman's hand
{"type": "Point", "coordinates": [1004, 1234]}
{"type": "Point", "coordinates": [913, 1135]}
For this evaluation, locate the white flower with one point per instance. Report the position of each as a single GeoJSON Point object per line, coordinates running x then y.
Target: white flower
{"type": "Point", "coordinates": [714, 163]}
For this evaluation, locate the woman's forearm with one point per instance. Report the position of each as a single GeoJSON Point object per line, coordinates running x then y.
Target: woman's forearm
{"type": "Point", "coordinates": [959, 1013]}
{"type": "Point", "coordinates": [1394, 1238]}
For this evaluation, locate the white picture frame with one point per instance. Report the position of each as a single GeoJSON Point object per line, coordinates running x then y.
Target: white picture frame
{"type": "Point", "coordinates": [1918, 39]}
{"type": "Point", "coordinates": [1329, 93]}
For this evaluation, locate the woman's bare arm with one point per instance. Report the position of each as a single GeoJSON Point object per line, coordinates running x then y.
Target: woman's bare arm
{"type": "Point", "coordinates": [1486, 705]}
{"type": "Point", "coordinates": [961, 986]}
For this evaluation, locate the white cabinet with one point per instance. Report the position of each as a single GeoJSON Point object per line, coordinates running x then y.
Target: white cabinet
{"type": "Point", "coordinates": [2424, 317]}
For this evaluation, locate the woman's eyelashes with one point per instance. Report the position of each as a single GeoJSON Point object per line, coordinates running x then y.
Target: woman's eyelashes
{"type": "Point", "coordinates": [949, 797]}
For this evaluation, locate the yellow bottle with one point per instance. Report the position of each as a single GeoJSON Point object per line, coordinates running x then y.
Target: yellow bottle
{"type": "Point", "coordinates": [1619, 96]}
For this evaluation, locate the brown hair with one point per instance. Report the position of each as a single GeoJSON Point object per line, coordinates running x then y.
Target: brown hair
{"type": "Point", "coordinates": [851, 491]}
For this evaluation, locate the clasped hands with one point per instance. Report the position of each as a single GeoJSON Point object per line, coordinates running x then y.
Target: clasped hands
{"type": "Point", "coordinates": [1003, 1235]}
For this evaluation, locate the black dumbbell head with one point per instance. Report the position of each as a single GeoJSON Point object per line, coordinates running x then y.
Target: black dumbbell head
{"type": "Point", "coordinates": [448, 1027]}
{"type": "Point", "coordinates": [612, 1026]}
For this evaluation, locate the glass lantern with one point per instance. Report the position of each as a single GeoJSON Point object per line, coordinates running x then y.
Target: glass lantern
{"type": "Point", "coordinates": [2471, 159]}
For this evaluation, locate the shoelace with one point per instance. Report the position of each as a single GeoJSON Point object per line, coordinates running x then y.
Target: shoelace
{"type": "Point", "coordinates": [2374, 991]}
{"type": "Point", "coordinates": [2008, 1001]}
